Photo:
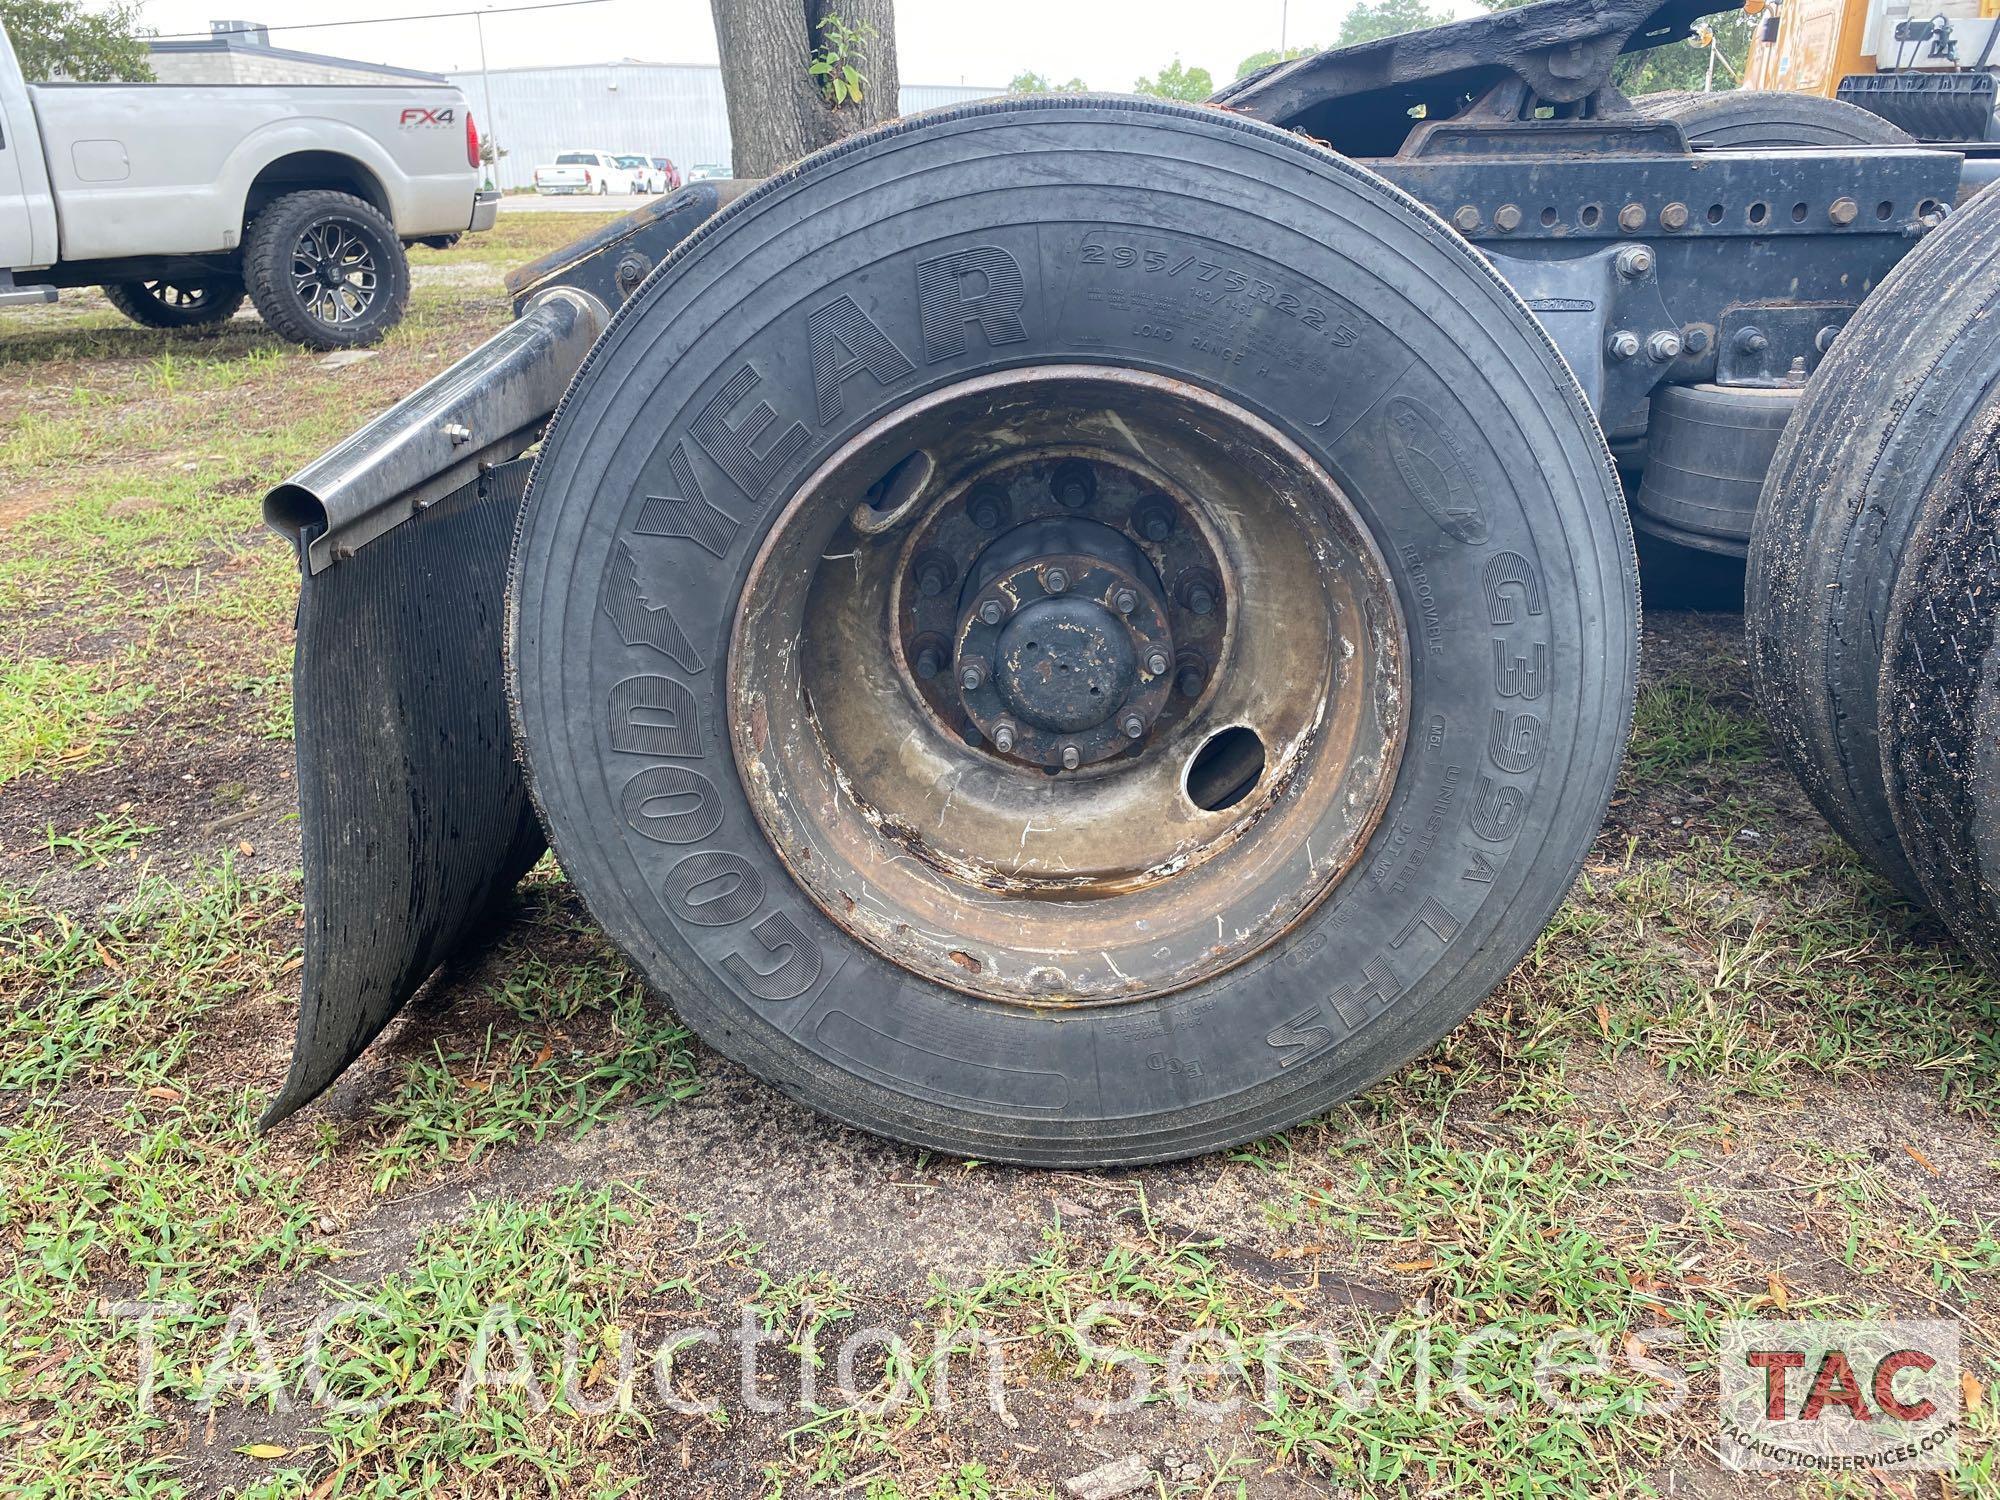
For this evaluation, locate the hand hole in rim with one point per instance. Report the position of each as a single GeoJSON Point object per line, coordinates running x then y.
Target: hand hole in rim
{"type": "Point", "coordinates": [1226, 768]}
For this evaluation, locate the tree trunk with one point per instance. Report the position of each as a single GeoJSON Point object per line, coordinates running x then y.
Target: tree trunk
{"type": "Point", "coordinates": [777, 111]}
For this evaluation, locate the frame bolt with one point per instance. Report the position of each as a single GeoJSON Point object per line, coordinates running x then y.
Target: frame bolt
{"type": "Point", "coordinates": [1156, 663]}
{"type": "Point", "coordinates": [1125, 601]}
{"type": "Point", "coordinates": [1635, 261]}
{"type": "Point", "coordinates": [1823, 340]}
{"type": "Point", "coordinates": [1842, 211]}
{"type": "Point", "coordinates": [1632, 216]}
{"type": "Point", "coordinates": [1134, 726]}
{"type": "Point", "coordinates": [929, 663]}
{"type": "Point", "coordinates": [1695, 340]}
{"type": "Point", "coordinates": [1071, 757]}
{"type": "Point", "coordinates": [1674, 216]}
{"type": "Point", "coordinates": [972, 676]}
{"type": "Point", "coordinates": [1466, 219]}
{"type": "Point", "coordinates": [1056, 580]}
{"type": "Point", "coordinates": [1624, 344]}
{"type": "Point", "coordinates": [1507, 218]}
{"type": "Point", "coordinates": [1663, 346]}
{"type": "Point", "coordinates": [992, 611]}
{"type": "Point", "coordinates": [1003, 737]}
{"type": "Point", "coordinates": [1751, 341]}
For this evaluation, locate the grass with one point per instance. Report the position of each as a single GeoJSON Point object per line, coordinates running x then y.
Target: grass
{"type": "Point", "coordinates": [1734, 1077]}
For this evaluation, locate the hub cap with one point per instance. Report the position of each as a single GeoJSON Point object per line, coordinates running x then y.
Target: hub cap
{"type": "Point", "coordinates": [334, 272]}
{"type": "Point", "coordinates": [1098, 711]}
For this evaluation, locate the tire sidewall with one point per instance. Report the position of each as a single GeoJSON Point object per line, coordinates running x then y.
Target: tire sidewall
{"type": "Point", "coordinates": [1511, 547]}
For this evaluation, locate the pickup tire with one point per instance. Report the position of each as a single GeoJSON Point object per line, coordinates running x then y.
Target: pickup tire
{"type": "Point", "coordinates": [326, 269]}
{"type": "Point", "coordinates": [202, 303]}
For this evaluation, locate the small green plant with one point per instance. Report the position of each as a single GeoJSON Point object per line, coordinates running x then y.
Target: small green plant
{"type": "Point", "coordinates": [836, 62]}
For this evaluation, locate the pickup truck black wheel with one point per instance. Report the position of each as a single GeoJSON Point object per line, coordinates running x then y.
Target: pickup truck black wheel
{"type": "Point", "coordinates": [1073, 631]}
{"type": "Point", "coordinates": [326, 269]}
{"type": "Point", "coordinates": [1882, 420]}
{"type": "Point", "coordinates": [1754, 119]}
{"type": "Point", "coordinates": [193, 303]}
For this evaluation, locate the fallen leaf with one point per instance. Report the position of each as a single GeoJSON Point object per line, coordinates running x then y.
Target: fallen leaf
{"type": "Point", "coordinates": [1922, 1160]}
{"type": "Point", "coordinates": [1780, 1298]}
{"type": "Point", "coordinates": [1971, 1389]}
{"type": "Point", "coordinates": [164, 1095]}
{"type": "Point", "coordinates": [265, 1451]}
{"type": "Point", "coordinates": [246, 846]}
{"type": "Point", "coordinates": [1603, 1019]}
{"type": "Point", "coordinates": [1412, 1265]}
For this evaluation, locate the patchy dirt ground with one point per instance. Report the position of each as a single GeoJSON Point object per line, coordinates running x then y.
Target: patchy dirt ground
{"type": "Point", "coordinates": [1735, 1078]}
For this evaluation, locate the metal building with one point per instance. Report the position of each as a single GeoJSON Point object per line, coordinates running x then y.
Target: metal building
{"type": "Point", "coordinates": [653, 109]}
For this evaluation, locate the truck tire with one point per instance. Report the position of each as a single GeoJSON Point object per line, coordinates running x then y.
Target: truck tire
{"type": "Point", "coordinates": [1940, 690]}
{"type": "Point", "coordinates": [1073, 630]}
{"type": "Point", "coordinates": [326, 269]}
{"type": "Point", "coordinates": [200, 302]}
{"type": "Point", "coordinates": [1751, 119]}
{"type": "Point", "coordinates": [1879, 423]}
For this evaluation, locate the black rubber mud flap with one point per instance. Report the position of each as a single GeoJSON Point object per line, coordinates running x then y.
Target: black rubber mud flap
{"type": "Point", "coordinates": [412, 814]}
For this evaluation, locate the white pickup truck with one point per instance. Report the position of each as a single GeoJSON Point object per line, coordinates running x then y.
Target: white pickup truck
{"type": "Point", "coordinates": [180, 200]}
{"type": "Point", "coordinates": [595, 172]}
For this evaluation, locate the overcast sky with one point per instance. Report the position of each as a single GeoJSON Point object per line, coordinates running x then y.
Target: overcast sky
{"type": "Point", "coordinates": [1107, 43]}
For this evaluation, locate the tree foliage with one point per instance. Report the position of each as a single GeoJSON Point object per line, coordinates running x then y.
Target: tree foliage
{"type": "Point", "coordinates": [1027, 82]}
{"type": "Point", "coordinates": [1176, 81]}
{"type": "Point", "coordinates": [1372, 20]}
{"type": "Point", "coordinates": [1270, 55]}
{"type": "Point", "coordinates": [61, 39]}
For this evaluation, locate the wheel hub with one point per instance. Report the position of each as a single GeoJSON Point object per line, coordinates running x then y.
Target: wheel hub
{"type": "Point", "coordinates": [1063, 648]}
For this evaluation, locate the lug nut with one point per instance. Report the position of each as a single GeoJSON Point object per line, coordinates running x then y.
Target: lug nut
{"type": "Point", "coordinates": [1824, 339]}
{"type": "Point", "coordinates": [1663, 346]}
{"type": "Point", "coordinates": [1624, 344]}
{"type": "Point", "coordinates": [932, 576]}
{"type": "Point", "coordinates": [1071, 757]}
{"type": "Point", "coordinates": [992, 611]}
{"type": "Point", "coordinates": [1056, 580]}
{"type": "Point", "coordinates": [1635, 261]}
{"type": "Point", "coordinates": [930, 662]}
{"type": "Point", "coordinates": [1134, 726]}
{"type": "Point", "coordinates": [1189, 681]}
{"type": "Point", "coordinates": [1125, 601]}
{"type": "Point", "coordinates": [1156, 663]}
{"type": "Point", "coordinates": [1751, 341]}
{"type": "Point", "coordinates": [972, 676]}
{"type": "Point", "coordinates": [1156, 521]}
{"type": "Point", "coordinates": [1003, 737]}
{"type": "Point", "coordinates": [1073, 484]}
{"type": "Point", "coordinates": [987, 510]}
{"type": "Point", "coordinates": [1200, 599]}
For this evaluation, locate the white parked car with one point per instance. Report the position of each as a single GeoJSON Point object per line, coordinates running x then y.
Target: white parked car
{"type": "Point", "coordinates": [181, 200]}
{"type": "Point", "coordinates": [595, 172]}
{"type": "Point", "coordinates": [646, 178]}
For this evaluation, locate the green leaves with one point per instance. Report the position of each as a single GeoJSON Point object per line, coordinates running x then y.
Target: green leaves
{"type": "Point", "coordinates": [834, 64]}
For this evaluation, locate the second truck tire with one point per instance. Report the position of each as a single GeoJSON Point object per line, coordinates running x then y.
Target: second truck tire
{"type": "Point", "coordinates": [325, 269]}
{"type": "Point", "coordinates": [1073, 631]}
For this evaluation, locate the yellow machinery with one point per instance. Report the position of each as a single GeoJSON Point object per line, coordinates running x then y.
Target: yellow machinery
{"type": "Point", "coordinates": [1926, 67]}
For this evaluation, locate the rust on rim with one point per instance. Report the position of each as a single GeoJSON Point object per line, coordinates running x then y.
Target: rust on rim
{"type": "Point", "coordinates": [1099, 712]}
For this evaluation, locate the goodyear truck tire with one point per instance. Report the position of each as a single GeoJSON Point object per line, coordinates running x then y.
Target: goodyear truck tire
{"type": "Point", "coordinates": [1073, 631]}
{"type": "Point", "coordinates": [1878, 426]}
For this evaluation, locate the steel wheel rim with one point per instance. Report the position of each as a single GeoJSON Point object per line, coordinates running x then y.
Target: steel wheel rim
{"type": "Point", "coordinates": [334, 273]}
{"type": "Point", "coordinates": [912, 831]}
